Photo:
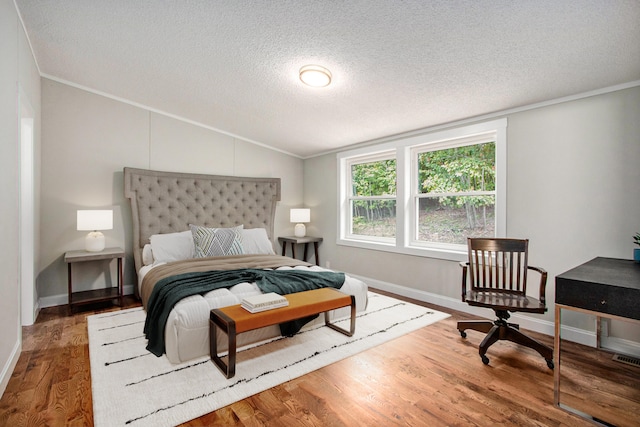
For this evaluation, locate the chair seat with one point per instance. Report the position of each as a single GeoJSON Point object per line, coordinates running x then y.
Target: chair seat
{"type": "Point", "coordinates": [505, 301]}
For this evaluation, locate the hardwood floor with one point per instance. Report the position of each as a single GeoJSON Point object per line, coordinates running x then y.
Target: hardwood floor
{"type": "Point", "coordinates": [431, 377]}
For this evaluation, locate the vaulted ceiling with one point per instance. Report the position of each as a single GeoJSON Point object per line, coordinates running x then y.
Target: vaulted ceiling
{"type": "Point", "coordinates": [397, 65]}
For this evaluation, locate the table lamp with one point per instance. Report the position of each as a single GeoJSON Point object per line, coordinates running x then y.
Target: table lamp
{"type": "Point", "coordinates": [93, 221]}
{"type": "Point", "coordinates": [299, 216]}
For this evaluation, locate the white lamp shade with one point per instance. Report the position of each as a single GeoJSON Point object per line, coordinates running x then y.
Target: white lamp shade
{"type": "Point", "coordinates": [92, 220]}
{"type": "Point", "coordinates": [300, 215]}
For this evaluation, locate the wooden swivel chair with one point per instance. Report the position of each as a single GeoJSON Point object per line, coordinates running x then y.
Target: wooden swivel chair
{"type": "Point", "coordinates": [497, 271]}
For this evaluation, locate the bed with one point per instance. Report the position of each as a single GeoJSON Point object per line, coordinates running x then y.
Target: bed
{"type": "Point", "coordinates": [184, 223]}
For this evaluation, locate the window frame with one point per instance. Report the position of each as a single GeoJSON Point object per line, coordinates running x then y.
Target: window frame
{"type": "Point", "coordinates": [346, 215]}
{"type": "Point", "coordinates": [415, 195]}
{"type": "Point", "coordinates": [404, 149]}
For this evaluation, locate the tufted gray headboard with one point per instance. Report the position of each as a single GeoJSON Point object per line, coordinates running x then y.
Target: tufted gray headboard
{"type": "Point", "coordinates": [167, 202]}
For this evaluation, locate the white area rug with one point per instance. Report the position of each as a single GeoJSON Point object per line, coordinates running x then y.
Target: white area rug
{"type": "Point", "coordinates": [133, 387]}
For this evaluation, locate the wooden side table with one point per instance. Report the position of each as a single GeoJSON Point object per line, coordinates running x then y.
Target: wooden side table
{"type": "Point", "coordinates": [94, 295]}
{"type": "Point", "coordinates": [300, 240]}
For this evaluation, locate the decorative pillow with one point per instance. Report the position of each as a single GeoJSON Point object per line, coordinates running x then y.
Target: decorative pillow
{"type": "Point", "coordinates": [172, 246]}
{"type": "Point", "coordinates": [216, 241]}
{"type": "Point", "coordinates": [255, 241]}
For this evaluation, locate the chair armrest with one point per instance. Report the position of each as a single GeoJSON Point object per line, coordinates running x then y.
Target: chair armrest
{"type": "Point", "coordinates": [465, 266]}
{"type": "Point", "coordinates": [543, 281]}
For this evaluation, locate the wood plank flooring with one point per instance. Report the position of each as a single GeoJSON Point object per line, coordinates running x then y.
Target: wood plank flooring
{"type": "Point", "coordinates": [431, 377]}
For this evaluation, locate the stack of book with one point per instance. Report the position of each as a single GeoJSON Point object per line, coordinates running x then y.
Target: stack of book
{"type": "Point", "coordinates": [258, 303]}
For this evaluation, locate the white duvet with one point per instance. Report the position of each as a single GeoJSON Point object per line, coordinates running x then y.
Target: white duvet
{"type": "Point", "coordinates": [187, 329]}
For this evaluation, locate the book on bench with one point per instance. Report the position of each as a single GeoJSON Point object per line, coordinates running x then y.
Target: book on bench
{"type": "Point", "coordinates": [262, 302]}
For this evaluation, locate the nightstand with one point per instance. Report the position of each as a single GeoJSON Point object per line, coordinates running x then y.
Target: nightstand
{"type": "Point", "coordinates": [293, 241]}
{"type": "Point", "coordinates": [94, 295]}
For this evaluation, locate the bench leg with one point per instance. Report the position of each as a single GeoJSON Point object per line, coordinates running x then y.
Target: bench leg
{"type": "Point", "coordinates": [352, 328]}
{"type": "Point", "coordinates": [229, 370]}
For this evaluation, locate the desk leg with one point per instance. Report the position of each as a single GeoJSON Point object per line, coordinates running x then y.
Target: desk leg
{"type": "Point", "coordinates": [304, 254]}
{"type": "Point", "coordinates": [556, 357]}
{"type": "Point", "coordinates": [284, 248]}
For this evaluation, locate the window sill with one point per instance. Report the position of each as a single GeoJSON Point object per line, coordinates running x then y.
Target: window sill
{"type": "Point", "coordinates": [444, 254]}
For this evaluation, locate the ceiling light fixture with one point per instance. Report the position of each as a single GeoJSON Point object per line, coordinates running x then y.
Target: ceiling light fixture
{"type": "Point", "coordinates": [315, 75]}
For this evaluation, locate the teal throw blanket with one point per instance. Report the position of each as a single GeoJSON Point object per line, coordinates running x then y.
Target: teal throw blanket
{"type": "Point", "coordinates": [168, 291]}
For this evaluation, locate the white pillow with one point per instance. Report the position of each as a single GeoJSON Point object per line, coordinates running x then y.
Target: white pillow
{"type": "Point", "coordinates": [216, 241]}
{"type": "Point", "coordinates": [256, 241]}
{"type": "Point", "coordinates": [147, 255]}
{"type": "Point", "coordinates": [172, 246]}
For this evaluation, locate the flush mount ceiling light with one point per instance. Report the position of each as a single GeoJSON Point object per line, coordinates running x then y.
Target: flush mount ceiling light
{"type": "Point", "coordinates": [315, 76]}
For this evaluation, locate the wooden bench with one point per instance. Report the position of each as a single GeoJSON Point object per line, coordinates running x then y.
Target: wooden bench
{"type": "Point", "coordinates": [234, 319]}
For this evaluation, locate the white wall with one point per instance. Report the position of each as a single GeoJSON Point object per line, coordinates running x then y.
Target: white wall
{"type": "Point", "coordinates": [17, 69]}
{"type": "Point", "coordinates": [88, 139]}
{"type": "Point", "coordinates": [572, 188]}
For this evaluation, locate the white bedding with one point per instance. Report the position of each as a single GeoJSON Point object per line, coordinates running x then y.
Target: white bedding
{"type": "Point", "coordinates": [187, 329]}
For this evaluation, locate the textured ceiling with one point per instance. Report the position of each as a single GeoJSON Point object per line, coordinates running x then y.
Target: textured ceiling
{"type": "Point", "coordinates": [397, 65]}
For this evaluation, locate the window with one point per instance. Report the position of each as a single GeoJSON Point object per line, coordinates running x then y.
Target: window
{"type": "Point", "coordinates": [453, 191]}
{"type": "Point", "coordinates": [425, 194]}
{"type": "Point", "coordinates": [372, 197]}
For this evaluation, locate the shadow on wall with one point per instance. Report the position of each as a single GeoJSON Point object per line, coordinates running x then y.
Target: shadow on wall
{"type": "Point", "coordinates": [52, 280]}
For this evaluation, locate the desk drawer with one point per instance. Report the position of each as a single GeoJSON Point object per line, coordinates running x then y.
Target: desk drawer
{"type": "Point", "coordinates": [600, 298]}
{"type": "Point", "coordinates": [585, 295]}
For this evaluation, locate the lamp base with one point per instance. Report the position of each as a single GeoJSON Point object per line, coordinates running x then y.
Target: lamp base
{"type": "Point", "coordinates": [300, 230]}
{"type": "Point", "coordinates": [94, 242]}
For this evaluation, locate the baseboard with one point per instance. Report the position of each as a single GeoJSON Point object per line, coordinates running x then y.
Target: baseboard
{"type": "Point", "coordinates": [53, 300]}
{"type": "Point", "coordinates": [615, 344]}
{"type": "Point", "coordinates": [8, 368]}
{"type": "Point", "coordinates": [546, 327]}
{"type": "Point", "coordinates": [36, 310]}
{"type": "Point", "coordinates": [620, 345]}
{"type": "Point", "coordinates": [63, 299]}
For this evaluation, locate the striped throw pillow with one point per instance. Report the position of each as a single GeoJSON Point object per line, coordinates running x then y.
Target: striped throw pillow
{"type": "Point", "coordinates": [216, 241]}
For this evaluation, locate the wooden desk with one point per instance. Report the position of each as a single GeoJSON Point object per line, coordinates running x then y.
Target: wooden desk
{"type": "Point", "coordinates": [300, 240]}
{"type": "Point", "coordinates": [603, 287]}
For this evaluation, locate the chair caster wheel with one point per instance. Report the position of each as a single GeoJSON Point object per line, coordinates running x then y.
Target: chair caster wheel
{"type": "Point", "coordinates": [550, 363]}
{"type": "Point", "coordinates": [485, 359]}
{"type": "Point", "coordinates": [463, 334]}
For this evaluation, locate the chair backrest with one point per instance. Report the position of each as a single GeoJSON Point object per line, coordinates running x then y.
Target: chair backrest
{"type": "Point", "coordinates": [498, 265]}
